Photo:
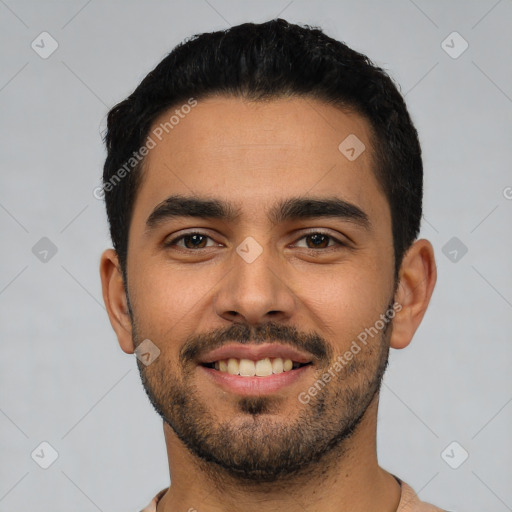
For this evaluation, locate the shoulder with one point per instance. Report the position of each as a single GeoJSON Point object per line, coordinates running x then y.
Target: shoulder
{"type": "Point", "coordinates": [411, 503]}
{"type": "Point", "coordinates": [151, 507]}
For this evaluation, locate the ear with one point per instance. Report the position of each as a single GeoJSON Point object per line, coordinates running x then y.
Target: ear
{"type": "Point", "coordinates": [114, 296]}
{"type": "Point", "coordinates": [418, 277]}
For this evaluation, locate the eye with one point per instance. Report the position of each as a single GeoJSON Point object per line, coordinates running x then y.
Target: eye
{"type": "Point", "coordinates": [319, 240]}
{"type": "Point", "coordinates": [196, 240]}
{"type": "Point", "coordinates": [190, 241]}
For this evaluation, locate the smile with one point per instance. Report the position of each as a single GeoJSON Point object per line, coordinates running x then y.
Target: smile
{"type": "Point", "coordinates": [261, 368]}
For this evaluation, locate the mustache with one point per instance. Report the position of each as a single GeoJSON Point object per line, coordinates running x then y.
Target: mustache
{"type": "Point", "coordinates": [269, 332]}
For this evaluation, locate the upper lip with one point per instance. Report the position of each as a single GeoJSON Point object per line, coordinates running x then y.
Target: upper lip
{"type": "Point", "coordinates": [255, 353]}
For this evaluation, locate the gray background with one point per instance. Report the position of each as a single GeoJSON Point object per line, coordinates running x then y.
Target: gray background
{"type": "Point", "coordinates": [63, 377]}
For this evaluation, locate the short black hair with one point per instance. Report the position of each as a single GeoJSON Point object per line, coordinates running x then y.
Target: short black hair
{"type": "Point", "coordinates": [263, 62]}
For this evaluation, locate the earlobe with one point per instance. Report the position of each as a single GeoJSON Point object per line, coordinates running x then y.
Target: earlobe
{"type": "Point", "coordinates": [417, 279]}
{"type": "Point", "coordinates": [114, 296]}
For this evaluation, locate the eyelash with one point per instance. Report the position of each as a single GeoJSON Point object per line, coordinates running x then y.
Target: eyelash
{"type": "Point", "coordinates": [191, 233]}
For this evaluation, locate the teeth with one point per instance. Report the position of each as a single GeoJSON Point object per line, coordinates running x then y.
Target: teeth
{"type": "Point", "coordinates": [277, 365]}
{"type": "Point", "coordinates": [248, 368]}
{"type": "Point", "coordinates": [233, 366]}
{"type": "Point", "coordinates": [263, 367]}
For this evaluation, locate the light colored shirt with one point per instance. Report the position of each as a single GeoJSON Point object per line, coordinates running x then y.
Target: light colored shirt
{"type": "Point", "coordinates": [409, 501]}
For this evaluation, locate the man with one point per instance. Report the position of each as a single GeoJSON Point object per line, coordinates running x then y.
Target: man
{"type": "Point", "coordinates": [264, 191]}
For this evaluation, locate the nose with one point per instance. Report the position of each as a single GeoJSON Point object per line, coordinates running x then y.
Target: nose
{"type": "Point", "coordinates": [255, 292]}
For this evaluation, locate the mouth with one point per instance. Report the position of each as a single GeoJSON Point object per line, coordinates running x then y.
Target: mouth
{"type": "Point", "coordinates": [260, 368]}
{"type": "Point", "coordinates": [255, 369]}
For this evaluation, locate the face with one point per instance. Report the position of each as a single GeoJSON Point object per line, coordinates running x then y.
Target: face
{"type": "Point", "coordinates": [275, 250]}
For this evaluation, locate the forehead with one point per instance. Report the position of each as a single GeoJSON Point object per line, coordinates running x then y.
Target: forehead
{"type": "Point", "coordinates": [252, 153]}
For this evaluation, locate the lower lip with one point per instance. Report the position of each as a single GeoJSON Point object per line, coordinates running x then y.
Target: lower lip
{"type": "Point", "coordinates": [254, 385]}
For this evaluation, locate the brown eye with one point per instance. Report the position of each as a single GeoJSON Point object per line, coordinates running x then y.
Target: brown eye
{"type": "Point", "coordinates": [191, 241]}
{"type": "Point", "coordinates": [319, 240]}
{"type": "Point", "coordinates": [196, 241]}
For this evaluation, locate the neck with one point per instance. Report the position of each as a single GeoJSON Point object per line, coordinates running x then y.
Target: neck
{"type": "Point", "coordinates": [347, 479]}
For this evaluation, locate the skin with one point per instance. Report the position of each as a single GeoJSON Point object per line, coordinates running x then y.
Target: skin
{"type": "Point", "coordinates": [255, 154]}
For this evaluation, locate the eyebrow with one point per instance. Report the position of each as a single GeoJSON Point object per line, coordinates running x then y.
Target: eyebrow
{"type": "Point", "coordinates": [178, 206]}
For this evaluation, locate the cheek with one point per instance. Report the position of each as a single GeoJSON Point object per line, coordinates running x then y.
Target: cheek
{"type": "Point", "coordinates": [166, 298]}
{"type": "Point", "coordinates": [345, 301]}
